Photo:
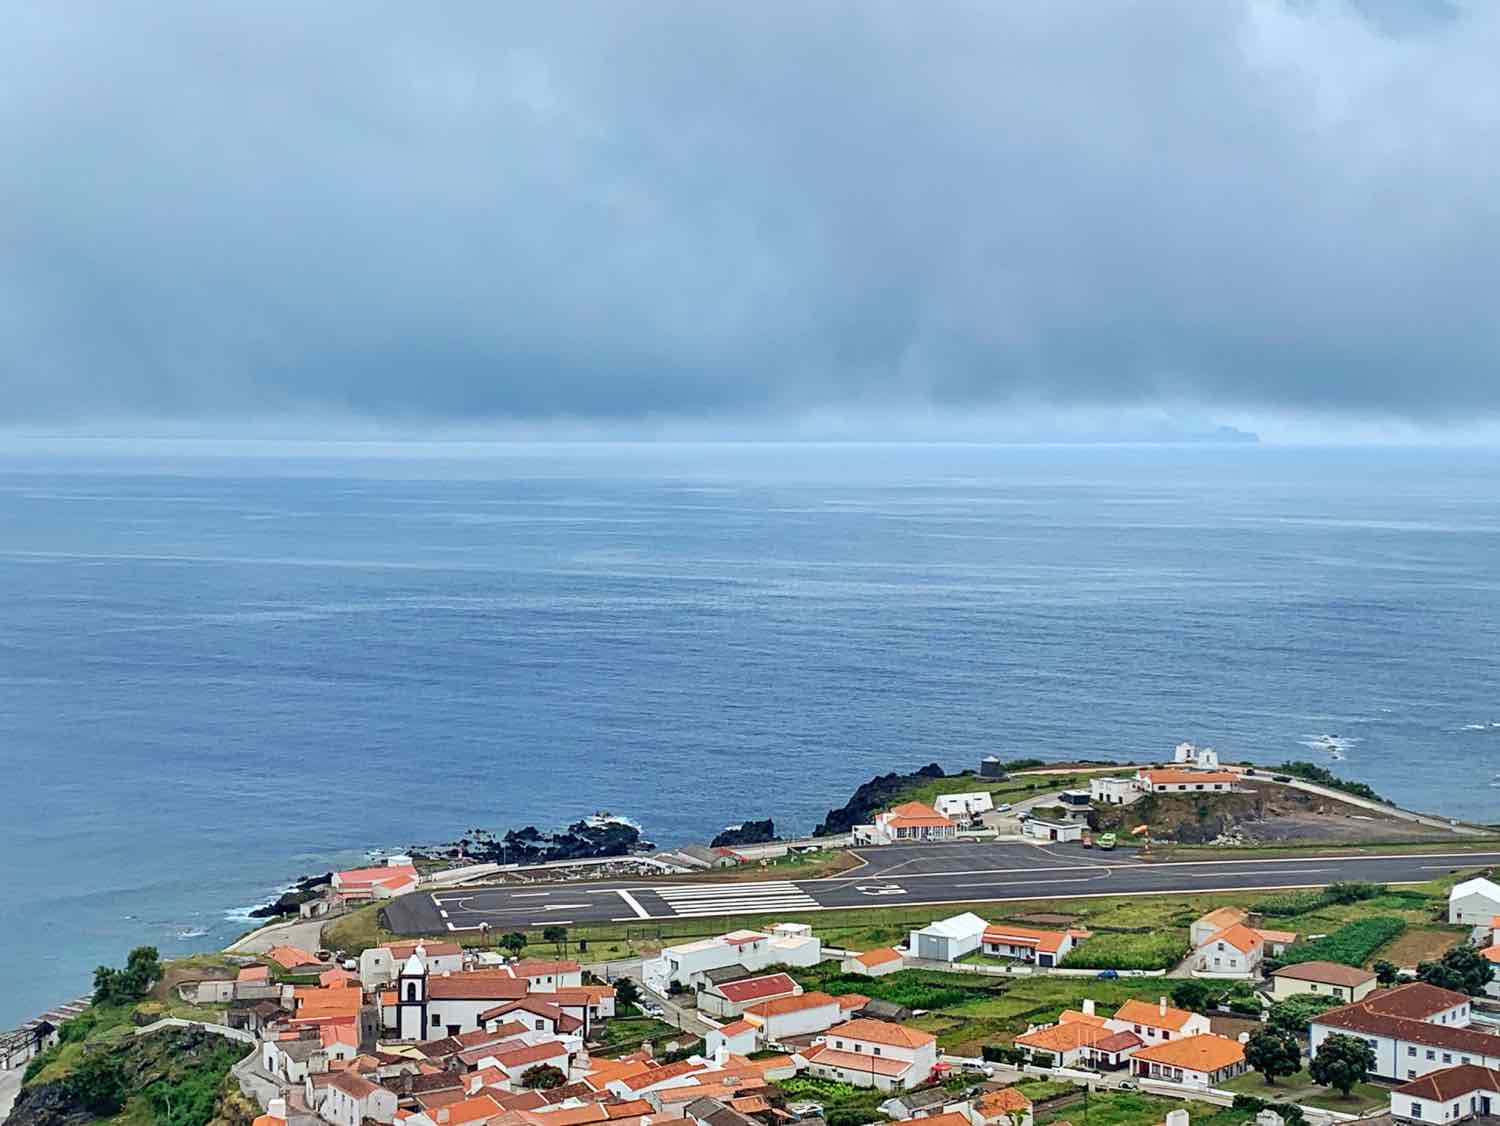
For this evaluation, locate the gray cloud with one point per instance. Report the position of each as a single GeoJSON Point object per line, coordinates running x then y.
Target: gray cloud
{"type": "Point", "coordinates": [618, 210]}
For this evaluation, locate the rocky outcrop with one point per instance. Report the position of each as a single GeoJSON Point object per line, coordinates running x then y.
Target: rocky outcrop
{"type": "Point", "coordinates": [873, 796]}
{"type": "Point", "coordinates": [748, 833]}
{"type": "Point", "coordinates": [582, 840]}
{"type": "Point", "coordinates": [305, 889]}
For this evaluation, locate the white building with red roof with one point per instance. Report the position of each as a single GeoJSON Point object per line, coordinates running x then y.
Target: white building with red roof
{"type": "Point", "coordinates": [731, 998]}
{"type": "Point", "coordinates": [384, 881]}
{"type": "Point", "coordinates": [1168, 780]}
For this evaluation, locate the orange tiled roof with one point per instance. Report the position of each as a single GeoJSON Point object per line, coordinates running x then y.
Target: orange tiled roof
{"type": "Point", "coordinates": [780, 1005]}
{"type": "Point", "coordinates": [1143, 1012]}
{"type": "Point", "coordinates": [290, 957]}
{"type": "Point", "coordinates": [855, 1061]}
{"type": "Point", "coordinates": [915, 815]}
{"type": "Point", "coordinates": [1187, 777]}
{"type": "Point", "coordinates": [1241, 937]}
{"type": "Point", "coordinates": [882, 1032]}
{"type": "Point", "coordinates": [878, 957]}
{"type": "Point", "coordinates": [1049, 942]}
{"type": "Point", "coordinates": [1204, 1052]}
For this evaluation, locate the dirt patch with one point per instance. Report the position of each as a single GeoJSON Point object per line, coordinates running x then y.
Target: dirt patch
{"type": "Point", "coordinates": [1419, 944]}
{"type": "Point", "coordinates": [1045, 919]}
{"type": "Point", "coordinates": [1260, 813]}
{"type": "Point", "coordinates": [1232, 1026]}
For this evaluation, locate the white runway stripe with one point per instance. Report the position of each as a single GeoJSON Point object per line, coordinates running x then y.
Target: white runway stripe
{"type": "Point", "coordinates": [732, 899]}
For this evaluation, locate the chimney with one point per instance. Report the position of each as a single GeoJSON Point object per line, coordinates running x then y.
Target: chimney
{"type": "Point", "coordinates": [1244, 1037]}
{"type": "Point", "coordinates": [1177, 1118]}
{"type": "Point", "coordinates": [276, 1108]}
{"type": "Point", "coordinates": [1088, 1007]}
{"type": "Point", "coordinates": [1162, 1006]}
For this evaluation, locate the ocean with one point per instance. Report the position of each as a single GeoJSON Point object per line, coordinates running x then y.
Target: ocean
{"type": "Point", "coordinates": [224, 664]}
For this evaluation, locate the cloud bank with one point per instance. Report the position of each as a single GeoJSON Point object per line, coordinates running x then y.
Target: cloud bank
{"type": "Point", "coordinates": [619, 211]}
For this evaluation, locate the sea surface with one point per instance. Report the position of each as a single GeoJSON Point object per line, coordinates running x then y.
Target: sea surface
{"type": "Point", "coordinates": [225, 664]}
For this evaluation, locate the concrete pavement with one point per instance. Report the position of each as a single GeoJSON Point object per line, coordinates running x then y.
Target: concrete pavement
{"type": "Point", "coordinates": [906, 875]}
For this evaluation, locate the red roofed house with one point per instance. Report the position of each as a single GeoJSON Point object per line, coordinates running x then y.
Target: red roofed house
{"type": "Point", "coordinates": [873, 1053]}
{"type": "Point", "coordinates": [1450, 1095]}
{"type": "Point", "coordinates": [1045, 948]}
{"type": "Point", "coordinates": [907, 822]}
{"type": "Point", "coordinates": [1235, 951]}
{"type": "Point", "coordinates": [384, 881]}
{"type": "Point", "coordinates": [1414, 1029]}
{"type": "Point", "coordinates": [1080, 1038]}
{"type": "Point", "coordinates": [730, 998]}
{"type": "Point", "coordinates": [345, 1098]}
{"type": "Point", "coordinates": [291, 957]}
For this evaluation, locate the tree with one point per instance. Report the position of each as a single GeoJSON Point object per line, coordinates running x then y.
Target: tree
{"type": "Point", "coordinates": [627, 993]}
{"type": "Point", "coordinates": [513, 941]}
{"type": "Point", "coordinates": [1342, 1062]}
{"type": "Point", "coordinates": [542, 1077]}
{"type": "Point", "coordinates": [1294, 1014]}
{"type": "Point", "coordinates": [1386, 973]}
{"type": "Point", "coordinates": [98, 1082]}
{"type": "Point", "coordinates": [123, 987]}
{"type": "Point", "coordinates": [1197, 996]}
{"type": "Point", "coordinates": [558, 936]}
{"type": "Point", "coordinates": [1462, 969]}
{"type": "Point", "coordinates": [1274, 1052]}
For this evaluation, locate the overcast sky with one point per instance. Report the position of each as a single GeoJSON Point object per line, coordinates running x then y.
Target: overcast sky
{"type": "Point", "coordinates": [620, 212]}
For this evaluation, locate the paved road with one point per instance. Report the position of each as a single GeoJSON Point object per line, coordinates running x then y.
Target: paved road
{"type": "Point", "coordinates": [905, 875]}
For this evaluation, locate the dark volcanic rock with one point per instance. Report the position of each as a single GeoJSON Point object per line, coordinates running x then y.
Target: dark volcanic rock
{"type": "Point", "coordinates": [751, 832]}
{"type": "Point", "coordinates": [529, 845]}
{"type": "Point", "coordinates": [872, 797]}
{"type": "Point", "coordinates": [305, 889]}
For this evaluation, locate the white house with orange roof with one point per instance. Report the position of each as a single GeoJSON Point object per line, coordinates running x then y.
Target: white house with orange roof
{"type": "Point", "coordinates": [379, 965]}
{"type": "Point", "coordinates": [737, 1038]}
{"type": "Point", "coordinates": [1202, 1060]}
{"type": "Point", "coordinates": [874, 963]}
{"type": "Point", "coordinates": [1025, 944]}
{"type": "Point", "coordinates": [800, 1015]}
{"type": "Point", "coordinates": [1157, 1023]}
{"type": "Point", "coordinates": [873, 1053]}
{"type": "Point", "coordinates": [1079, 1038]}
{"type": "Point", "coordinates": [1235, 951]}
{"type": "Point", "coordinates": [1206, 926]}
{"type": "Point", "coordinates": [907, 823]}
{"type": "Point", "coordinates": [396, 876]}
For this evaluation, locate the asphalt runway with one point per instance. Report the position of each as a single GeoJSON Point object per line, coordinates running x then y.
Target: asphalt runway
{"type": "Point", "coordinates": [903, 875]}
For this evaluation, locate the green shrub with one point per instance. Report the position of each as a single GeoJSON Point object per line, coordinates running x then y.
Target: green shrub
{"type": "Point", "coordinates": [1352, 944]}
{"type": "Point", "coordinates": [1159, 950]}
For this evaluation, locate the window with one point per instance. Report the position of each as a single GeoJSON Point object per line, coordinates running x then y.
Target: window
{"type": "Point", "coordinates": [434, 1020]}
{"type": "Point", "coordinates": [1447, 1057]}
{"type": "Point", "coordinates": [1416, 1110]}
{"type": "Point", "coordinates": [1431, 1054]}
{"type": "Point", "coordinates": [875, 1051]}
{"type": "Point", "coordinates": [1411, 1050]}
{"type": "Point", "coordinates": [411, 991]}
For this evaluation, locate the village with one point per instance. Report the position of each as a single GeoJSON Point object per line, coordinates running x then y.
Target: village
{"type": "Point", "coordinates": [1272, 1007]}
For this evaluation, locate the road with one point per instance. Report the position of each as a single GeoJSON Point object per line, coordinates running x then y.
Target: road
{"type": "Point", "coordinates": [904, 875]}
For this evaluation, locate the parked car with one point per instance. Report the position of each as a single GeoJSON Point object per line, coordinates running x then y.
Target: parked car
{"type": "Point", "coordinates": [1109, 975]}
{"type": "Point", "coordinates": [1003, 807]}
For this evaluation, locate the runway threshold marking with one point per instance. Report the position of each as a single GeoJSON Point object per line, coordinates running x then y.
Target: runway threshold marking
{"type": "Point", "coordinates": [633, 904]}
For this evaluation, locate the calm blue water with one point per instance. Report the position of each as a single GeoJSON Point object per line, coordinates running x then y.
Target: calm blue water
{"type": "Point", "coordinates": [225, 664]}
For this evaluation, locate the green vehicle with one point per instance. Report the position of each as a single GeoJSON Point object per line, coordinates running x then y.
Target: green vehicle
{"type": "Point", "coordinates": [1106, 841]}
